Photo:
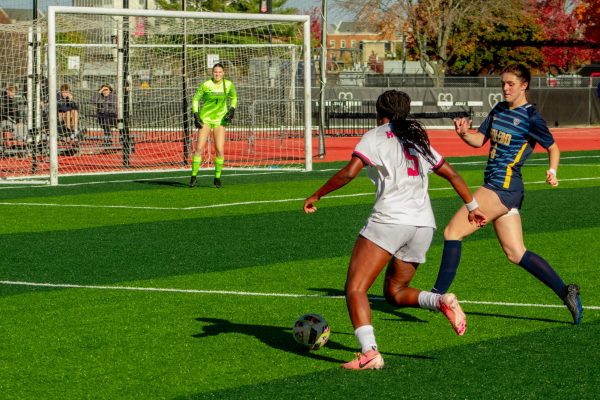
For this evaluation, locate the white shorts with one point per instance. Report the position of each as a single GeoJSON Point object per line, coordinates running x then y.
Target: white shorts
{"type": "Point", "coordinates": [405, 242]}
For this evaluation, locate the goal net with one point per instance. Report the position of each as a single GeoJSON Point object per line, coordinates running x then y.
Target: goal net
{"type": "Point", "coordinates": [153, 62]}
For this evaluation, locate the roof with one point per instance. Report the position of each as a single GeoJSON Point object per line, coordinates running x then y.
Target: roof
{"type": "Point", "coordinates": [19, 14]}
{"type": "Point", "coordinates": [348, 27]}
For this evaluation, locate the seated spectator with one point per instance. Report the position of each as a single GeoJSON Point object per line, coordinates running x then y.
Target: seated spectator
{"type": "Point", "coordinates": [12, 115]}
{"type": "Point", "coordinates": [68, 111]}
{"type": "Point", "coordinates": [106, 111]}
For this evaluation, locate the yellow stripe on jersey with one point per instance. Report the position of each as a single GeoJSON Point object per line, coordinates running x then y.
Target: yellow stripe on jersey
{"type": "Point", "coordinates": [509, 166]}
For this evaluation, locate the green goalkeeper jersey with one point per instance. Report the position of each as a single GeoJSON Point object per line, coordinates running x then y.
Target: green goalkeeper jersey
{"type": "Point", "coordinates": [213, 97]}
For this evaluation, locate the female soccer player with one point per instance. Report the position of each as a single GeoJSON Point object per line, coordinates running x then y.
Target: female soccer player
{"type": "Point", "coordinates": [214, 115]}
{"type": "Point", "coordinates": [400, 229]}
{"type": "Point", "coordinates": [513, 128]}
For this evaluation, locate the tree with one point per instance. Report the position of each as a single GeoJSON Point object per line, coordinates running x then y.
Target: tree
{"type": "Point", "coordinates": [588, 15]}
{"type": "Point", "coordinates": [561, 25]}
{"type": "Point", "coordinates": [315, 27]}
{"type": "Point", "coordinates": [239, 6]}
{"type": "Point", "coordinates": [437, 29]}
{"type": "Point", "coordinates": [489, 51]}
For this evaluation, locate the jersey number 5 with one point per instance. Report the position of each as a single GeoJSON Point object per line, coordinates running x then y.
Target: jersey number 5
{"type": "Point", "coordinates": [410, 156]}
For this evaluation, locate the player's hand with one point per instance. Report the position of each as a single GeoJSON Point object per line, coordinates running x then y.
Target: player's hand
{"type": "Point", "coordinates": [309, 206]}
{"type": "Point", "coordinates": [229, 117]}
{"type": "Point", "coordinates": [477, 217]}
{"type": "Point", "coordinates": [461, 125]}
{"type": "Point", "coordinates": [551, 178]}
{"type": "Point", "coordinates": [197, 121]}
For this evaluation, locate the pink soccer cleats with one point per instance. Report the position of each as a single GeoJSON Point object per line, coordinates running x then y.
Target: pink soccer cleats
{"type": "Point", "coordinates": [369, 360]}
{"type": "Point", "coordinates": [448, 304]}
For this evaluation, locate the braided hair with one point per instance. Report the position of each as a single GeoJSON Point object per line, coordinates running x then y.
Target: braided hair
{"type": "Point", "coordinates": [395, 106]}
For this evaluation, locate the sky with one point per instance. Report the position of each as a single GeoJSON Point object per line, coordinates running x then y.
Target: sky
{"type": "Point", "coordinates": [334, 12]}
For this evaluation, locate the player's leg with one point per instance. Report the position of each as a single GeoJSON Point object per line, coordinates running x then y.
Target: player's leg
{"type": "Point", "coordinates": [104, 122]}
{"type": "Point", "coordinates": [75, 119]}
{"type": "Point", "coordinates": [366, 263]}
{"type": "Point", "coordinates": [396, 287]}
{"type": "Point", "coordinates": [510, 235]}
{"type": "Point", "coordinates": [412, 245]}
{"type": "Point", "coordinates": [457, 229]}
{"type": "Point", "coordinates": [20, 131]}
{"type": "Point", "coordinates": [68, 120]}
{"type": "Point", "coordinates": [219, 134]}
{"type": "Point", "coordinates": [197, 156]}
{"type": "Point", "coordinates": [400, 272]}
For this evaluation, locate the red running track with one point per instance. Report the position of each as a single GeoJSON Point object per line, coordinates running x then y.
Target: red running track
{"type": "Point", "coordinates": [449, 145]}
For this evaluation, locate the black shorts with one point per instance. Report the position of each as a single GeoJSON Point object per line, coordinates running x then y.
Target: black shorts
{"type": "Point", "coordinates": [510, 198]}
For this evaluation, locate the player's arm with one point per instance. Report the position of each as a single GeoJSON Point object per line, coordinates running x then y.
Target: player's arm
{"type": "Point", "coordinates": [472, 138]}
{"type": "Point", "coordinates": [447, 172]}
{"type": "Point", "coordinates": [232, 96]}
{"type": "Point", "coordinates": [340, 179]}
{"type": "Point", "coordinates": [197, 98]}
{"type": "Point", "coordinates": [553, 159]}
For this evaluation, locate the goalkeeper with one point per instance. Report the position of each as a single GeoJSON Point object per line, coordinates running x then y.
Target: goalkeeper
{"type": "Point", "coordinates": [219, 99]}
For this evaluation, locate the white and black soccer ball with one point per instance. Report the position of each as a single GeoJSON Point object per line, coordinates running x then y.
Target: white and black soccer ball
{"type": "Point", "coordinates": [311, 331]}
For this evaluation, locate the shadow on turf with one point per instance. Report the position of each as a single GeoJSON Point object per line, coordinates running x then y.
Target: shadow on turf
{"type": "Point", "coordinates": [162, 183]}
{"type": "Point", "coordinates": [377, 304]}
{"type": "Point", "coordinates": [554, 321]}
{"type": "Point", "coordinates": [277, 337]}
{"type": "Point", "coordinates": [274, 336]}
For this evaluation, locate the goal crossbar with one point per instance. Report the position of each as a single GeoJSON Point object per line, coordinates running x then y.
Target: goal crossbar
{"type": "Point", "coordinates": [55, 12]}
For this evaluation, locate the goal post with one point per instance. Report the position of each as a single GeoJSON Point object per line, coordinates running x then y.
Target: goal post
{"type": "Point", "coordinates": [154, 61]}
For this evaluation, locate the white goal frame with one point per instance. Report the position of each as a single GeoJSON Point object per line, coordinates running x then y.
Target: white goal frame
{"type": "Point", "coordinates": [55, 11]}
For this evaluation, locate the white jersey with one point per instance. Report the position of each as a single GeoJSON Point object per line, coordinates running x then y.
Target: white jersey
{"type": "Point", "coordinates": [400, 174]}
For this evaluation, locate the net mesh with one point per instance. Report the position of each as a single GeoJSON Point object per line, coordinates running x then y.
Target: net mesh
{"type": "Point", "coordinates": [154, 66]}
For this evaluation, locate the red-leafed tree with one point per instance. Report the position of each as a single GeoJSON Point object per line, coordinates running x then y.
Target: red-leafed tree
{"type": "Point", "coordinates": [588, 15]}
{"type": "Point", "coordinates": [315, 27]}
{"type": "Point", "coordinates": [560, 25]}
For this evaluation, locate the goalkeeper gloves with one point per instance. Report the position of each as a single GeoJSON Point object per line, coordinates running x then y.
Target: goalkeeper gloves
{"type": "Point", "coordinates": [197, 121]}
{"type": "Point", "coordinates": [227, 119]}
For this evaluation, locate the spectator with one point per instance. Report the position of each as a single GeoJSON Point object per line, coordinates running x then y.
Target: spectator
{"type": "Point", "coordinates": [68, 111]}
{"type": "Point", "coordinates": [106, 111]}
{"type": "Point", "coordinates": [11, 114]}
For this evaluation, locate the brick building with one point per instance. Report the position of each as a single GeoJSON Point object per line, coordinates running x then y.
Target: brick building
{"type": "Point", "coordinates": [349, 46]}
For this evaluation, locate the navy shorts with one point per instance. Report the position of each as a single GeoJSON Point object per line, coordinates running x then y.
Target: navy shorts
{"type": "Point", "coordinates": [510, 198]}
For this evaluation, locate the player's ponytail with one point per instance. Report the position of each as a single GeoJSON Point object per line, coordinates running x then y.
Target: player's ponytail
{"type": "Point", "coordinates": [395, 106]}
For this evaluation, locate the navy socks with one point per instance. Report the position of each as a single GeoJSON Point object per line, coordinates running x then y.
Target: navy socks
{"type": "Point", "coordinates": [448, 266]}
{"type": "Point", "coordinates": [540, 268]}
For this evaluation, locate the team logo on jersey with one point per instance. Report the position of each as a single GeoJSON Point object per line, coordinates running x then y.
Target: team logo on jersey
{"type": "Point", "coordinates": [389, 134]}
{"type": "Point", "coordinates": [516, 121]}
{"type": "Point", "coordinates": [494, 98]}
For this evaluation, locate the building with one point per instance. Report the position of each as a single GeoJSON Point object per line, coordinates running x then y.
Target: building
{"type": "Point", "coordinates": [350, 46]}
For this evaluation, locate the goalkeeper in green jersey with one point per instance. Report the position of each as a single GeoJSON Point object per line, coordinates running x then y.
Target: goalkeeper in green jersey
{"type": "Point", "coordinates": [219, 99]}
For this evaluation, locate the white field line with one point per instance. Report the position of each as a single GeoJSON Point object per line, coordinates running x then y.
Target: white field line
{"type": "Point", "coordinates": [255, 294]}
{"type": "Point", "coordinates": [241, 203]}
{"type": "Point", "coordinates": [253, 173]}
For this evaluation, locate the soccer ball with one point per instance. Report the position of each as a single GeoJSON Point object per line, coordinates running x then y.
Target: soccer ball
{"type": "Point", "coordinates": [311, 331]}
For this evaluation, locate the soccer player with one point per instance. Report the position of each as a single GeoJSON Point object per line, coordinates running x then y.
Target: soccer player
{"type": "Point", "coordinates": [399, 231]}
{"type": "Point", "coordinates": [213, 116]}
{"type": "Point", "coordinates": [513, 128]}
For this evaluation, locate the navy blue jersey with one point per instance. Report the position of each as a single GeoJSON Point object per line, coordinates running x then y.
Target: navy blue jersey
{"type": "Point", "coordinates": [513, 135]}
